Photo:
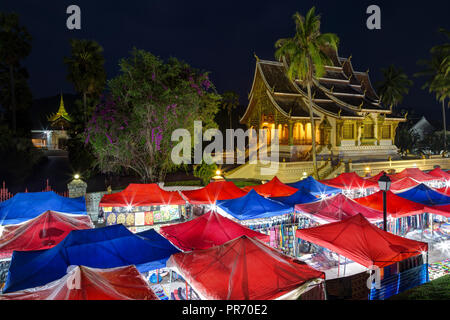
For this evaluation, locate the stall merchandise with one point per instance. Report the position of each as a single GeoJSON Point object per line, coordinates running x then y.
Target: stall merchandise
{"type": "Point", "coordinates": [84, 283]}
{"type": "Point", "coordinates": [244, 269]}
{"type": "Point", "coordinates": [209, 230]}
{"type": "Point", "coordinates": [314, 187]}
{"type": "Point", "coordinates": [42, 232]}
{"type": "Point", "coordinates": [142, 205]}
{"type": "Point", "coordinates": [425, 195]}
{"type": "Point", "coordinates": [107, 247]}
{"type": "Point", "coordinates": [360, 241]}
{"type": "Point", "coordinates": [26, 206]}
{"type": "Point", "coordinates": [273, 188]}
{"type": "Point", "coordinates": [336, 208]}
{"type": "Point", "coordinates": [439, 269]}
{"type": "Point", "coordinates": [220, 190]}
{"type": "Point", "coordinates": [253, 206]}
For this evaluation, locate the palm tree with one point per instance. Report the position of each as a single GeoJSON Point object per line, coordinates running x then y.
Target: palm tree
{"type": "Point", "coordinates": [437, 70]}
{"type": "Point", "coordinates": [85, 69]}
{"type": "Point", "coordinates": [306, 53]}
{"type": "Point", "coordinates": [15, 45]}
{"type": "Point", "coordinates": [394, 86]}
{"type": "Point", "coordinates": [230, 101]}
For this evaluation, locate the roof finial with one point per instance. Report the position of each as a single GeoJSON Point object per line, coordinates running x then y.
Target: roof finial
{"type": "Point", "coordinates": [256, 57]}
{"type": "Point", "coordinates": [367, 71]}
{"type": "Point", "coordinates": [360, 106]}
{"type": "Point", "coordinates": [349, 58]}
{"type": "Point", "coordinates": [339, 112]}
{"type": "Point", "coordinates": [332, 88]}
{"type": "Point", "coordinates": [406, 115]}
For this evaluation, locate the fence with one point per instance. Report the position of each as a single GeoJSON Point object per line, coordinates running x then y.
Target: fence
{"type": "Point", "coordinates": [5, 194]}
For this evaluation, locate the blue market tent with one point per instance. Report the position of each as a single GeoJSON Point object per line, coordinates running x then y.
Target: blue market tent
{"type": "Point", "coordinates": [314, 187]}
{"type": "Point", "coordinates": [103, 248]}
{"type": "Point", "coordinates": [425, 195]}
{"type": "Point", "coordinates": [26, 206]}
{"type": "Point", "coordinates": [253, 206]}
{"type": "Point", "coordinates": [300, 197]}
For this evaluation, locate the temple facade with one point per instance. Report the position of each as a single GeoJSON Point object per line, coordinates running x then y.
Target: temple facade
{"type": "Point", "coordinates": [350, 121]}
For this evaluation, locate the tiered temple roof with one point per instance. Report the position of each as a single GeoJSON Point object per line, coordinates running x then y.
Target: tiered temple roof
{"type": "Point", "coordinates": [60, 118]}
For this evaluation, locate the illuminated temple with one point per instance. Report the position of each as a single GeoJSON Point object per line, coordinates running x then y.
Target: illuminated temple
{"type": "Point", "coordinates": [350, 122]}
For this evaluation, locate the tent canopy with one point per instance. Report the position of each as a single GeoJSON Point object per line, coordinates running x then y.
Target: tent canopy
{"type": "Point", "coordinates": [403, 184]}
{"type": "Point", "coordinates": [242, 269]}
{"type": "Point", "coordinates": [414, 173]}
{"type": "Point", "coordinates": [425, 195]}
{"type": "Point", "coordinates": [107, 247]}
{"type": "Point", "coordinates": [301, 196]}
{"type": "Point", "coordinates": [220, 190]}
{"type": "Point", "coordinates": [396, 206]}
{"type": "Point", "coordinates": [206, 231]}
{"type": "Point", "coordinates": [444, 190]}
{"type": "Point", "coordinates": [350, 181]}
{"type": "Point", "coordinates": [253, 206]}
{"type": "Point", "coordinates": [42, 232]}
{"type": "Point", "coordinates": [439, 173]}
{"type": "Point", "coordinates": [362, 242]}
{"type": "Point", "coordinates": [442, 210]}
{"type": "Point", "coordinates": [337, 208]}
{"type": "Point", "coordinates": [140, 195]}
{"type": "Point", "coordinates": [314, 187]}
{"type": "Point", "coordinates": [26, 206]}
{"type": "Point", "coordinates": [122, 283]}
{"type": "Point", "coordinates": [273, 188]}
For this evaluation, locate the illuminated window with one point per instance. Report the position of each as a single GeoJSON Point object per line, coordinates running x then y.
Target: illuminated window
{"type": "Point", "coordinates": [368, 131]}
{"type": "Point", "coordinates": [386, 132]}
{"type": "Point", "coordinates": [348, 131]}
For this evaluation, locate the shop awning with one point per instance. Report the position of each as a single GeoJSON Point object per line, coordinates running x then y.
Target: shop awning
{"type": "Point", "coordinates": [253, 206]}
{"type": "Point", "coordinates": [350, 181]}
{"type": "Point", "coordinates": [362, 242]}
{"type": "Point", "coordinates": [314, 187]}
{"type": "Point", "coordinates": [26, 206]}
{"type": "Point", "coordinates": [107, 247]}
{"type": "Point", "coordinates": [301, 196]}
{"type": "Point", "coordinates": [42, 232]}
{"type": "Point", "coordinates": [273, 188]}
{"type": "Point", "coordinates": [337, 208]}
{"type": "Point", "coordinates": [122, 283]}
{"type": "Point", "coordinates": [425, 195]}
{"type": "Point", "coordinates": [220, 190]}
{"type": "Point", "coordinates": [414, 173]}
{"type": "Point", "coordinates": [243, 269]}
{"type": "Point", "coordinates": [206, 231]}
{"type": "Point", "coordinates": [140, 195]}
{"type": "Point", "coordinates": [396, 206]}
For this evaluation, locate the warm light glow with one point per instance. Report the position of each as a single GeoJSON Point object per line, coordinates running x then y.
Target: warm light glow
{"type": "Point", "coordinates": [129, 207]}
{"type": "Point", "coordinates": [367, 169]}
{"type": "Point", "coordinates": [304, 173]}
{"type": "Point", "coordinates": [415, 165]}
{"type": "Point", "coordinates": [77, 176]}
{"type": "Point", "coordinates": [218, 172]}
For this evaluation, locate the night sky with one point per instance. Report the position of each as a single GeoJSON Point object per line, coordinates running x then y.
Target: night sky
{"type": "Point", "coordinates": [221, 37]}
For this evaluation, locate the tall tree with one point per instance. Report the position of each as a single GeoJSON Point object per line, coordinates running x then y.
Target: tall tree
{"type": "Point", "coordinates": [306, 52]}
{"type": "Point", "coordinates": [394, 86]}
{"type": "Point", "coordinates": [230, 101]}
{"type": "Point", "coordinates": [86, 69]}
{"type": "Point", "coordinates": [15, 45]}
{"type": "Point", "coordinates": [437, 70]}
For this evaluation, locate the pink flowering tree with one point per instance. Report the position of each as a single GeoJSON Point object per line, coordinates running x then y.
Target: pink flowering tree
{"type": "Point", "coordinates": [130, 130]}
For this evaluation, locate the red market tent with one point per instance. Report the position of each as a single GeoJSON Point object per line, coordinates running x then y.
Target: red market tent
{"type": "Point", "coordinates": [337, 208]}
{"type": "Point", "coordinates": [43, 232]}
{"type": "Point", "coordinates": [83, 283]}
{"type": "Point", "coordinates": [444, 190]}
{"type": "Point", "coordinates": [362, 242]}
{"type": "Point", "coordinates": [244, 269]}
{"type": "Point", "coordinates": [396, 206]}
{"type": "Point", "coordinates": [439, 173]}
{"type": "Point", "coordinates": [206, 231]}
{"type": "Point", "coordinates": [273, 188]}
{"type": "Point", "coordinates": [220, 190]}
{"type": "Point", "coordinates": [414, 173]}
{"type": "Point", "coordinates": [350, 181]}
{"type": "Point", "coordinates": [140, 195]}
{"type": "Point", "coordinates": [442, 210]}
{"type": "Point", "coordinates": [403, 184]}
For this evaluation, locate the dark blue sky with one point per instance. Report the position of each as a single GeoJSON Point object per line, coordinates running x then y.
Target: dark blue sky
{"type": "Point", "coordinates": [221, 36]}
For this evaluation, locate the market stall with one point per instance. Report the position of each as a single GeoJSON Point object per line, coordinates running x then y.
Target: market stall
{"type": "Point", "coordinates": [314, 187]}
{"type": "Point", "coordinates": [209, 230]}
{"type": "Point", "coordinates": [246, 269]}
{"type": "Point", "coordinates": [273, 188]}
{"type": "Point", "coordinates": [420, 176]}
{"type": "Point", "coordinates": [42, 232]}
{"type": "Point", "coordinates": [403, 184]}
{"type": "Point", "coordinates": [352, 185]}
{"type": "Point", "coordinates": [440, 174]}
{"type": "Point", "coordinates": [107, 247]}
{"type": "Point", "coordinates": [84, 283]}
{"type": "Point", "coordinates": [301, 196]}
{"type": "Point", "coordinates": [355, 238]}
{"type": "Point", "coordinates": [425, 195]}
{"type": "Point", "coordinates": [26, 206]}
{"type": "Point", "coordinates": [140, 206]}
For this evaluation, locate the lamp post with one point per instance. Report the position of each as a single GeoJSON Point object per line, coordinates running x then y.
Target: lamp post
{"type": "Point", "coordinates": [384, 183]}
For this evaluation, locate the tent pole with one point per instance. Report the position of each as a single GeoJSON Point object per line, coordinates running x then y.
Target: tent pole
{"type": "Point", "coordinates": [339, 263]}
{"type": "Point", "coordinates": [345, 265]}
{"type": "Point", "coordinates": [157, 276]}
{"type": "Point", "coordinates": [186, 290]}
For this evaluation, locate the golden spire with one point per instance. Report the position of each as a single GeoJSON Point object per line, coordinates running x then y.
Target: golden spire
{"type": "Point", "coordinates": [62, 113]}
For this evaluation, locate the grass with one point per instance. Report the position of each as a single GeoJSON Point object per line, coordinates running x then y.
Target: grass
{"type": "Point", "coordinates": [183, 183]}
{"type": "Point", "coordinates": [244, 183]}
{"type": "Point", "coordinates": [438, 289]}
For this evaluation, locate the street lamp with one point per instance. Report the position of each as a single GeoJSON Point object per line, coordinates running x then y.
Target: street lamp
{"type": "Point", "coordinates": [384, 183]}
